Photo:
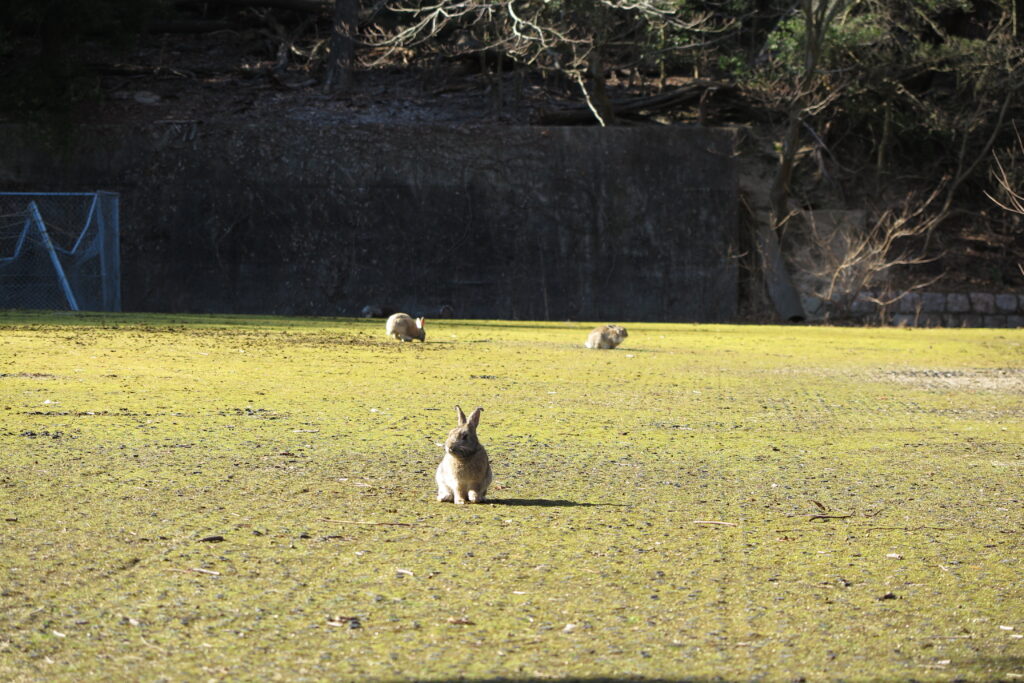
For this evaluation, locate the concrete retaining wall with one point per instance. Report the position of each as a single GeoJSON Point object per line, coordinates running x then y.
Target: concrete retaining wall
{"type": "Point", "coordinates": [290, 217]}
{"type": "Point", "coordinates": [946, 309]}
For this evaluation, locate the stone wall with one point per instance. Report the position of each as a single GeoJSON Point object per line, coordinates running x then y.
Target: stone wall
{"type": "Point", "coordinates": [942, 309]}
{"type": "Point", "coordinates": [291, 217]}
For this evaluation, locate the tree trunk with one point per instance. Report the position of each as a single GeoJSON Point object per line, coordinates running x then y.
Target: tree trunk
{"type": "Point", "coordinates": [338, 78]}
{"type": "Point", "coordinates": [817, 15]}
{"type": "Point", "coordinates": [780, 286]}
{"type": "Point", "coordinates": [600, 95]}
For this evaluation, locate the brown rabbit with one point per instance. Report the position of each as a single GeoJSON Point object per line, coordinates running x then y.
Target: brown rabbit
{"type": "Point", "coordinates": [465, 471]}
{"type": "Point", "coordinates": [606, 337]}
{"type": "Point", "coordinates": [403, 326]}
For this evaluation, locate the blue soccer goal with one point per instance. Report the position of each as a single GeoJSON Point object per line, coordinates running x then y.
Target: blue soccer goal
{"type": "Point", "coordinates": [60, 250]}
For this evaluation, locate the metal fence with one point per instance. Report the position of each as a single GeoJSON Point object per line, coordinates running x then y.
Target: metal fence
{"type": "Point", "coordinates": [60, 250]}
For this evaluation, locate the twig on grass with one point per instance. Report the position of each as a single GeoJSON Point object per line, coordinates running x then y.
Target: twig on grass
{"type": "Point", "coordinates": [906, 528]}
{"type": "Point", "coordinates": [825, 510]}
{"type": "Point", "coordinates": [149, 644]}
{"type": "Point", "coordinates": [861, 528]}
{"type": "Point", "coordinates": [711, 521]}
{"type": "Point", "coordinates": [194, 569]}
{"type": "Point", "coordinates": [353, 521]}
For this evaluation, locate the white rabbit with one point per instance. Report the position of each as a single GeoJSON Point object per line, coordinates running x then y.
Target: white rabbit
{"type": "Point", "coordinates": [403, 326]}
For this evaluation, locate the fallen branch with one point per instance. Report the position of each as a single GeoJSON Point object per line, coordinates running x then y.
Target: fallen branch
{"type": "Point", "coordinates": [711, 521]}
{"type": "Point", "coordinates": [689, 94]}
{"type": "Point", "coordinates": [278, 80]}
{"type": "Point", "coordinates": [814, 517]}
{"type": "Point", "coordinates": [190, 26]}
{"type": "Point", "coordinates": [136, 70]}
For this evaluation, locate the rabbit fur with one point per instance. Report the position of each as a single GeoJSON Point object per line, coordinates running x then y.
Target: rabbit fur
{"type": "Point", "coordinates": [403, 326]}
{"type": "Point", "coordinates": [606, 337]}
{"type": "Point", "coordinates": [465, 471]}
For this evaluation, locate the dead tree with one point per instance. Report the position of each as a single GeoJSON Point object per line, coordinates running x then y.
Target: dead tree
{"type": "Point", "coordinates": [818, 15]}
{"type": "Point", "coordinates": [581, 40]}
{"type": "Point", "coordinates": [848, 261]}
{"type": "Point", "coordinates": [345, 19]}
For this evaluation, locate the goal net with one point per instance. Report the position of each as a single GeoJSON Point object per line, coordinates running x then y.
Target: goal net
{"type": "Point", "coordinates": [60, 251]}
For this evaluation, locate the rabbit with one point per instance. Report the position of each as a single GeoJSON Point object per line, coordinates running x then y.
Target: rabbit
{"type": "Point", "coordinates": [404, 327]}
{"type": "Point", "coordinates": [606, 337]}
{"type": "Point", "coordinates": [465, 471]}
{"type": "Point", "coordinates": [375, 311]}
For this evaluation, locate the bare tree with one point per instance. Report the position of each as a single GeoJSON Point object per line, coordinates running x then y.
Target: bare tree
{"type": "Point", "coordinates": [840, 264]}
{"type": "Point", "coordinates": [806, 100]}
{"type": "Point", "coordinates": [338, 75]}
{"type": "Point", "coordinates": [579, 39]}
{"type": "Point", "coordinates": [1011, 199]}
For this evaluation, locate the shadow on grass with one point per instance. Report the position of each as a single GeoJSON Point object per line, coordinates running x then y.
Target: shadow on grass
{"type": "Point", "coordinates": [548, 502]}
{"type": "Point", "coordinates": [525, 325]}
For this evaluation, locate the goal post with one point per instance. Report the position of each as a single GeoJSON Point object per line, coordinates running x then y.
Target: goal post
{"type": "Point", "coordinates": [60, 250]}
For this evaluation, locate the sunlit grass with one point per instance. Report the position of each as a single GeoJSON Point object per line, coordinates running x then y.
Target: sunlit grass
{"type": "Point", "coordinates": [309, 445]}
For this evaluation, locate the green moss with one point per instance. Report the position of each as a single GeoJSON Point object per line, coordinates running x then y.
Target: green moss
{"type": "Point", "coordinates": [309, 445]}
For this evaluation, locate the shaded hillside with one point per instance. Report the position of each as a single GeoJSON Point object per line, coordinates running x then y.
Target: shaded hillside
{"type": "Point", "coordinates": [898, 103]}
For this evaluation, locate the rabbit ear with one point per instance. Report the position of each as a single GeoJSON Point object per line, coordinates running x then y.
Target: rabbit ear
{"type": "Point", "coordinates": [474, 419]}
{"type": "Point", "coordinates": [419, 322]}
{"type": "Point", "coordinates": [462, 415]}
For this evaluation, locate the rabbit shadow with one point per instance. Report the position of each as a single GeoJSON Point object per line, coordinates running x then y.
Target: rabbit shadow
{"type": "Point", "coordinates": [547, 502]}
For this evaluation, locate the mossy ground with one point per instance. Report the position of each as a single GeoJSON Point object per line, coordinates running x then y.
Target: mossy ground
{"type": "Point", "coordinates": [309, 446]}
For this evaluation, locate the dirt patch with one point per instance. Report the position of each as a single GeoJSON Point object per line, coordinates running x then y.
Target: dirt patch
{"type": "Point", "coordinates": [986, 379]}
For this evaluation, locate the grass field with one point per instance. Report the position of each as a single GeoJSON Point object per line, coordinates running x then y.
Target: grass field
{"type": "Point", "coordinates": [209, 498]}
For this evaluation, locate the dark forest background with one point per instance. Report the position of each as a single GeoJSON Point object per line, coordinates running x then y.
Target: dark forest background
{"type": "Point", "coordinates": [901, 114]}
